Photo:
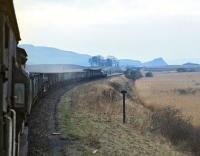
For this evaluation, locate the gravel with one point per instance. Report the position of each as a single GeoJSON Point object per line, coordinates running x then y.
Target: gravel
{"type": "Point", "coordinates": [42, 124]}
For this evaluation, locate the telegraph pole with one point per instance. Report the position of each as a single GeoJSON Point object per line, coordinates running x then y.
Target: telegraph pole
{"type": "Point", "coordinates": [124, 105]}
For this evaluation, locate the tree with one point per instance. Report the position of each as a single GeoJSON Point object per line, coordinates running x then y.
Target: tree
{"type": "Point", "coordinates": [181, 70]}
{"type": "Point", "coordinates": [109, 62]}
{"type": "Point", "coordinates": [99, 61]}
{"type": "Point", "coordinates": [133, 74]}
{"type": "Point", "coordinates": [96, 61]}
{"type": "Point", "coordinates": [115, 61]}
{"type": "Point", "coordinates": [149, 74]}
{"type": "Point", "coordinates": [91, 62]}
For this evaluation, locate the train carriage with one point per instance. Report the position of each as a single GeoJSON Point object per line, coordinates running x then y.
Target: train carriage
{"type": "Point", "coordinates": [19, 90]}
{"type": "Point", "coordinates": [13, 81]}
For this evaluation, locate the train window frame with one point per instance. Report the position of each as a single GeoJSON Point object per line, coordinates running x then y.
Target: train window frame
{"type": "Point", "coordinates": [6, 36]}
{"type": "Point", "coordinates": [22, 94]}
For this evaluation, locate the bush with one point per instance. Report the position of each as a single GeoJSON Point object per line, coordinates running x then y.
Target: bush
{"type": "Point", "coordinates": [180, 70]}
{"type": "Point", "coordinates": [133, 74]}
{"type": "Point", "coordinates": [170, 123]}
{"type": "Point", "coordinates": [187, 91]}
{"type": "Point", "coordinates": [149, 74]}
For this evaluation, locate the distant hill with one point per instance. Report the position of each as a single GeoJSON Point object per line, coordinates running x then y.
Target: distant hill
{"type": "Point", "coordinates": [128, 62]}
{"type": "Point", "coordinates": [158, 62]}
{"type": "Point", "coordinates": [47, 55]}
{"type": "Point", "coordinates": [182, 61]}
{"type": "Point", "coordinates": [191, 64]}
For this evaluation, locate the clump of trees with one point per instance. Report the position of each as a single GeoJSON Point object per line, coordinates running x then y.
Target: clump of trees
{"type": "Point", "coordinates": [182, 70]}
{"type": "Point", "coordinates": [149, 74]}
{"type": "Point", "coordinates": [99, 61]}
{"type": "Point", "coordinates": [133, 74]}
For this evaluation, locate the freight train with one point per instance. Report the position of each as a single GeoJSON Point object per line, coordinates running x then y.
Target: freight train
{"type": "Point", "coordinates": [19, 90]}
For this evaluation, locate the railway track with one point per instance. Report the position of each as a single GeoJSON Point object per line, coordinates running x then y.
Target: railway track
{"type": "Point", "coordinates": [43, 124]}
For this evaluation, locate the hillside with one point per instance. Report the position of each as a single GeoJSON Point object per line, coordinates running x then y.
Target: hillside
{"type": "Point", "coordinates": [90, 120]}
{"type": "Point", "coordinates": [158, 62]}
{"type": "Point", "coordinates": [128, 62]}
{"type": "Point", "coordinates": [48, 55]}
{"type": "Point", "coordinates": [191, 65]}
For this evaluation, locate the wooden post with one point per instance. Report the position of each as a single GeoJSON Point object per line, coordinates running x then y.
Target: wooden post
{"type": "Point", "coordinates": [124, 105]}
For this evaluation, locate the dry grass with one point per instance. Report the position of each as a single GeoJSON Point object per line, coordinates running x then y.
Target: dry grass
{"type": "Point", "coordinates": [90, 117]}
{"type": "Point", "coordinates": [180, 90]}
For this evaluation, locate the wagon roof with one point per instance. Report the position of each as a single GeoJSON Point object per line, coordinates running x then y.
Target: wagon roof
{"type": "Point", "coordinates": [8, 7]}
{"type": "Point", "coordinates": [54, 68]}
{"type": "Point", "coordinates": [92, 69]}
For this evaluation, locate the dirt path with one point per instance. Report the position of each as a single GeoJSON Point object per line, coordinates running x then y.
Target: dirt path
{"type": "Point", "coordinates": [43, 123]}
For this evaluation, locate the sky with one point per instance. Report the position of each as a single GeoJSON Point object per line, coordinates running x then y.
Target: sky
{"type": "Point", "coordinates": [133, 29]}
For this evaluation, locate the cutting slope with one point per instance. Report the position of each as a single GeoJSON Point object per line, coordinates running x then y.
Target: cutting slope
{"type": "Point", "coordinates": [90, 119]}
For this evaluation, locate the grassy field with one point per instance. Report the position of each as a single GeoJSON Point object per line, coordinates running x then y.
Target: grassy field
{"type": "Point", "coordinates": [90, 119]}
{"type": "Point", "coordinates": [180, 90]}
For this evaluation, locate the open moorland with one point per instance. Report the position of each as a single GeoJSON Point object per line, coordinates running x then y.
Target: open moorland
{"type": "Point", "coordinates": [179, 90]}
{"type": "Point", "coordinates": [89, 119]}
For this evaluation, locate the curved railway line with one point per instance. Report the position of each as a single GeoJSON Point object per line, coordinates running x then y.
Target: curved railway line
{"type": "Point", "coordinates": [20, 91]}
{"type": "Point", "coordinates": [43, 124]}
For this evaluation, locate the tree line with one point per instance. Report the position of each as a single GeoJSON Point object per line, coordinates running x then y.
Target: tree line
{"type": "Point", "coordinates": [99, 61]}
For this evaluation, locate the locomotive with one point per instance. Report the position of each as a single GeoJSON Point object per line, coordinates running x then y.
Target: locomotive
{"type": "Point", "coordinates": [19, 90]}
{"type": "Point", "coordinates": [12, 78]}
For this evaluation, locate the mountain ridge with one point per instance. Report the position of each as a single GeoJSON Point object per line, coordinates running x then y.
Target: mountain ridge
{"type": "Point", "coordinates": [191, 64]}
{"type": "Point", "coordinates": [155, 62]}
{"type": "Point", "coordinates": [39, 55]}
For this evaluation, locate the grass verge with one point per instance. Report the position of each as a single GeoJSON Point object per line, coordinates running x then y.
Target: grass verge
{"type": "Point", "coordinates": [90, 118]}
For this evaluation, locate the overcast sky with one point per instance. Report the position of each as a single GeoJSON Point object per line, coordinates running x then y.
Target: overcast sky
{"type": "Point", "coordinates": [134, 29]}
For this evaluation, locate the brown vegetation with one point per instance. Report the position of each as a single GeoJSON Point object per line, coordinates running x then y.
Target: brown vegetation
{"type": "Point", "coordinates": [170, 123]}
{"type": "Point", "coordinates": [174, 99]}
{"type": "Point", "coordinates": [90, 117]}
{"type": "Point", "coordinates": [179, 90]}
